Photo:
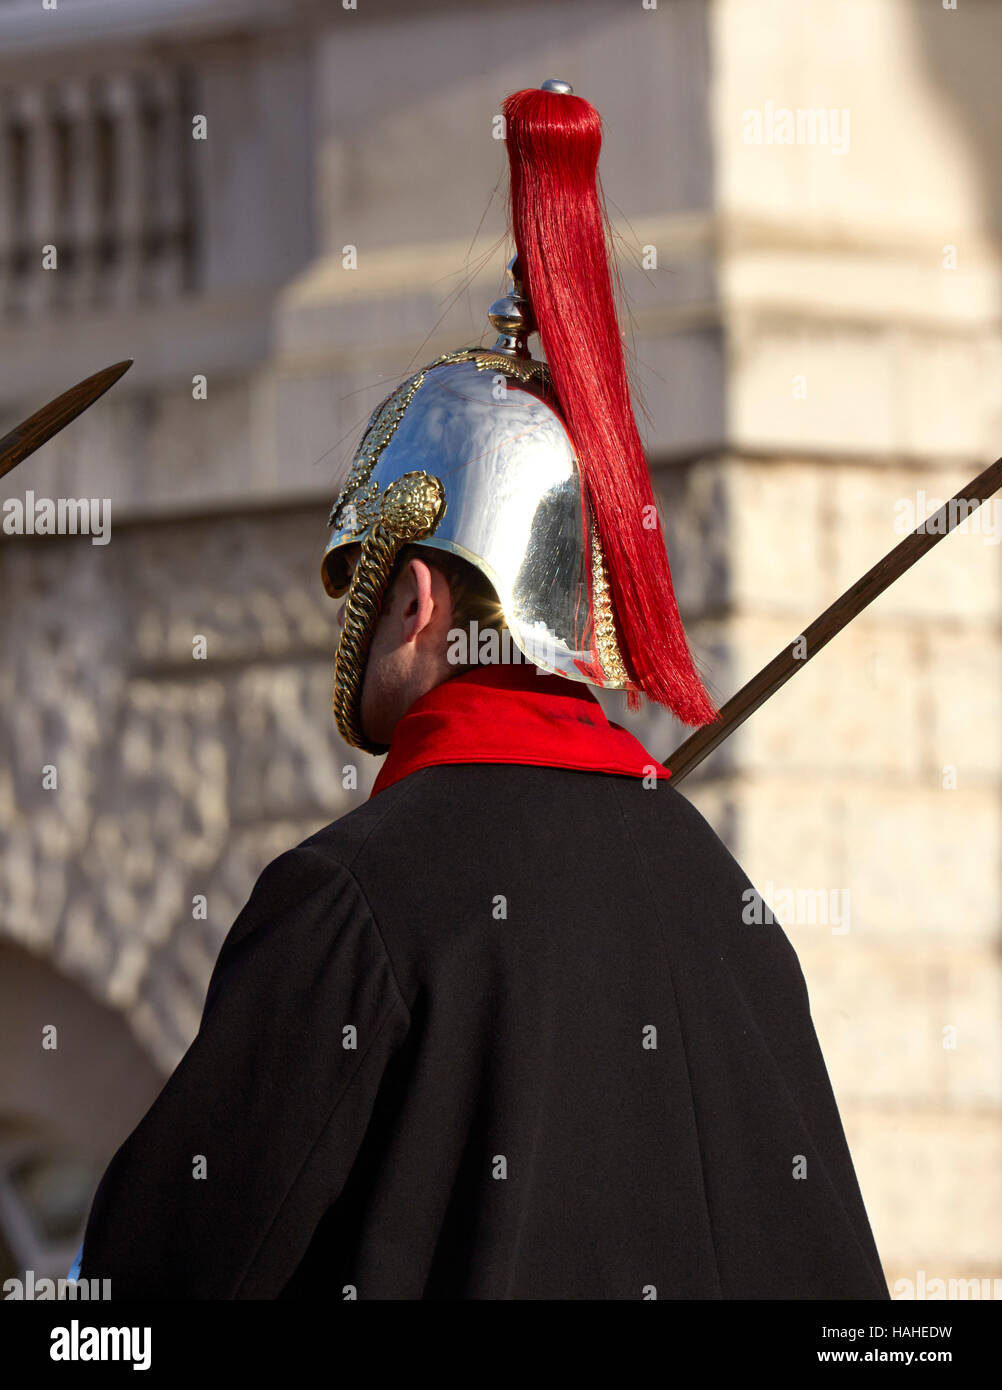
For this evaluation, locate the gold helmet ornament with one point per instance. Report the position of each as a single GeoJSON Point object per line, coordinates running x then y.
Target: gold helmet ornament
{"type": "Point", "coordinates": [532, 471]}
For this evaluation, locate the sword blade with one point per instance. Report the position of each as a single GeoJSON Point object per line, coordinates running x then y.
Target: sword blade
{"type": "Point", "coordinates": [830, 623]}
{"type": "Point", "coordinates": [40, 427]}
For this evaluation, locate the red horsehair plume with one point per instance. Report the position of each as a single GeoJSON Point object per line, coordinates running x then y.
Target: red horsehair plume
{"type": "Point", "coordinates": [559, 224]}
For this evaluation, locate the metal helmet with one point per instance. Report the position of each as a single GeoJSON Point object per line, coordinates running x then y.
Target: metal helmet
{"type": "Point", "coordinates": [473, 455]}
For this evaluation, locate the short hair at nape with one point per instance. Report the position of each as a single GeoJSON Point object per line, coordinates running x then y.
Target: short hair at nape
{"type": "Point", "coordinates": [473, 595]}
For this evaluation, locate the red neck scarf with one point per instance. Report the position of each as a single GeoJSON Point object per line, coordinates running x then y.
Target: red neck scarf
{"type": "Point", "coordinates": [512, 714]}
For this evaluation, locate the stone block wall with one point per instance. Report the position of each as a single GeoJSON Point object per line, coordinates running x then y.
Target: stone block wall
{"type": "Point", "coordinates": [177, 775]}
{"type": "Point", "coordinates": [863, 801]}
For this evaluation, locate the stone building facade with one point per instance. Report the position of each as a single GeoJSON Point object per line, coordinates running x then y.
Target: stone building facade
{"type": "Point", "coordinates": [276, 211]}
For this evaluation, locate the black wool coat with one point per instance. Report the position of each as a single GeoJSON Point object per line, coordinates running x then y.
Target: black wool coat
{"type": "Point", "coordinates": [500, 1033]}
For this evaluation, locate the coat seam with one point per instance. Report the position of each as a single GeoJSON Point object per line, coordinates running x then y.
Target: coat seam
{"type": "Point", "coordinates": [248, 1269]}
{"type": "Point", "coordinates": [685, 1055]}
{"type": "Point", "coordinates": [329, 859]}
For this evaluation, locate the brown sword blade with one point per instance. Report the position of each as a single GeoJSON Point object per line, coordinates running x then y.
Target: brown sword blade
{"type": "Point", "coordinates": [821, 631]}
{"type": "Point", "coordinates": [40, 427]}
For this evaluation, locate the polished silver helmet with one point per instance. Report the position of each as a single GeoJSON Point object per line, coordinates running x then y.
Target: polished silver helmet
{"type": "Point", "coordinates": [469, 457]}
{"type": "Point", "coordinates": [474, 455]}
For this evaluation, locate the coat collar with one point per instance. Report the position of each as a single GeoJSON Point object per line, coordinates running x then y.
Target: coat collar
{"type": "Point", "coordinates": [513, 714]}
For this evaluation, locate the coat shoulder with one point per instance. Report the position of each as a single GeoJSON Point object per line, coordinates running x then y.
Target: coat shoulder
{"type": "Point", "coordinates": [458, 811]}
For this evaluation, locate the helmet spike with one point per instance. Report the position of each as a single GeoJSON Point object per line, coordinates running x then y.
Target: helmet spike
{"type": "Point", "coordinates": [512, 317]}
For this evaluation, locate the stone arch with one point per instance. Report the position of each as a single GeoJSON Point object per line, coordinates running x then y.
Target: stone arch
{"type": "Point", "coordinates": [64, 1110]}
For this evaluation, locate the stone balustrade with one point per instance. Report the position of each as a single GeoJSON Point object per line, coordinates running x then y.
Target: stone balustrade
{"type": "Point", "coordinates": [96, 197]}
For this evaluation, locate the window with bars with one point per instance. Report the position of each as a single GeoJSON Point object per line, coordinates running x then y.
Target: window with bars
{"type": "Point", "coordinates": [98, 170]}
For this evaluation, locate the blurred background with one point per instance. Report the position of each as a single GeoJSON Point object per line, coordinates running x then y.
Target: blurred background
{"type": "Point", "coordinates": [280, 207]}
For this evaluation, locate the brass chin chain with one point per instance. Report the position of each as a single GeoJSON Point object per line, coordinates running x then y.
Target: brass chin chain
{"type": "Point", "coordinates": [412, 507]}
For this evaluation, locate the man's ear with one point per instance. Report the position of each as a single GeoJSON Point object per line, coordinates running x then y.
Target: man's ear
{"type": "Point", "coordinates": [417, 598]}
